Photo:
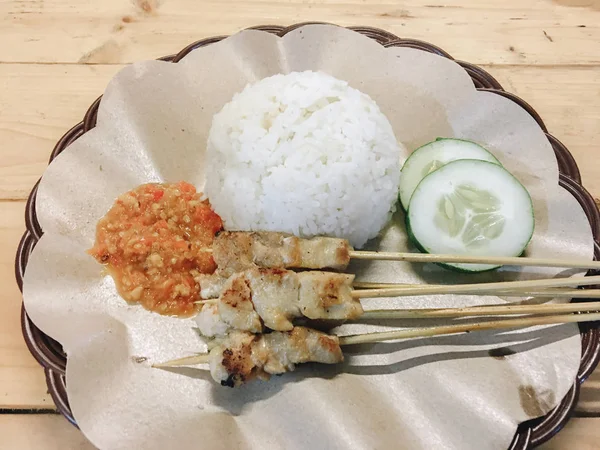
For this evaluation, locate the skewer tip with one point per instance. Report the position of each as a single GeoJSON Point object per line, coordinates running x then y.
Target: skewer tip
{"type": "Point", "coordinates": [199, 358]}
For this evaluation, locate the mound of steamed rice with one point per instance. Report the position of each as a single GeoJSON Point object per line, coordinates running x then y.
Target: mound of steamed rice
{"type": "Point", "coordinates": [306, 154]}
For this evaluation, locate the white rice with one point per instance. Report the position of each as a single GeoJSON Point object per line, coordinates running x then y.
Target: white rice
{"type": "Point", "coordinates": [306, 154]}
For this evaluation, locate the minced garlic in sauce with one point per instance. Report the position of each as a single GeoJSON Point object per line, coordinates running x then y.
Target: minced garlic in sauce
{"type": "Point", "coordinates": [153, 242]}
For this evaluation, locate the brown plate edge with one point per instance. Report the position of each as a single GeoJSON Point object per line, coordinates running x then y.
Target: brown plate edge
{"type": "Point", "coordinates": [530, 434]}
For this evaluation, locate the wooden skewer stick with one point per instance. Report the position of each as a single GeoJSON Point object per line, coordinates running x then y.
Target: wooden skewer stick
{"type": "Point", "coordinates": [455, 329]}
{"type": "Point", "coordinates": [477, 288]}
{"type": "Point", "coordinates": [544, 293]}
{"type": "Point", "coordinates": [483, 310]}
{"type": "Point", "coordinates": [372, 285]}
{"type": "Point", "coordinates": [202, 358]}
{"type": "Point", "coordinates": [541, 293]}
{"type": "Point", "coordinates": [469, 259]}
{"type": "Point", "coordinates": [492, 310]}
{"type": "Point", "coordinates": [199, 358]}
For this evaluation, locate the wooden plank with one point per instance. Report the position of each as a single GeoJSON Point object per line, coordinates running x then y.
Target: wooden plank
{"type": "Point", "coordinates": [589, 398]}
{"type": "Point", "coordinates": [40, 431]}
{"type": "Point", "coordinates": [53, 432]}
{"type": "Point", "coordinates": [41, 102]}
{"type": "Point", "coordinates": [22, 382]}
{"type": "Point", "coordinates": [579, 433]}
{"type": "Point", "coordinates": [488, 31]}
{"type": "Point", "coordinates": [568, 100]}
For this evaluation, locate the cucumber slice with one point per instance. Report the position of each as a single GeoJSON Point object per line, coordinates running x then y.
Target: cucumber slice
{"type": "Point", "coordinates": [471, 207]}
{"type": "Point", "coordinates": [434, 155]}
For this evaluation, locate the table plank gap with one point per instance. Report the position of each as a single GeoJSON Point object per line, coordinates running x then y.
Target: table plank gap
{"type": "Point", "coordinates": [512, 31]}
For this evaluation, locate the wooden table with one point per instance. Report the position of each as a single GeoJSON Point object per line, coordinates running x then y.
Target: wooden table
{"type": "Point", "coordinates": [57, 56]}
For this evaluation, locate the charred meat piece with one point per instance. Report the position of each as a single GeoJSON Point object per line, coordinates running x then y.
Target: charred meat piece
{"type": "Point", "coordinates": [235, 306]}
{"type": "Point", "coordinates": [326, 295]}
{"type": "Point", "coordinates": [277, 297]}
{"type": "Point", "coordinates": [234, 251]}
{"type": "Point", "coordinates": [211, 286]}
{"type": "Point", "coordinates": [324, 253]}
{"type": "Point", "coordinates": [242, 356]}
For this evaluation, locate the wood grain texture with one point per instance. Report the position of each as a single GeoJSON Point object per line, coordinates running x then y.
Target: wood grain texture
{"type": "Point", "coordinates": [568, 100]}
{"type": "Point", "coordinates": [486, 31]}
{"type": "Point", "coordinates": [579, 433]}
{"type": "Point", "coordinates": [53, 432]}
{"type": "Point", "coordinates": [589, 399]}
{"type": "Point", "coordinates": [43, 431]}
{"type": "Point", "coordinates": [41, 102]}
{"type": "Point", "coordinates": [62, 53]}
{"type": "Point", "coordinates": [22, 382]}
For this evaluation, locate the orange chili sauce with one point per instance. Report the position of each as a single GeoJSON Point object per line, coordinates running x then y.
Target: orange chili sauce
{"type": "Point", "coordinates": [153, 242]}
